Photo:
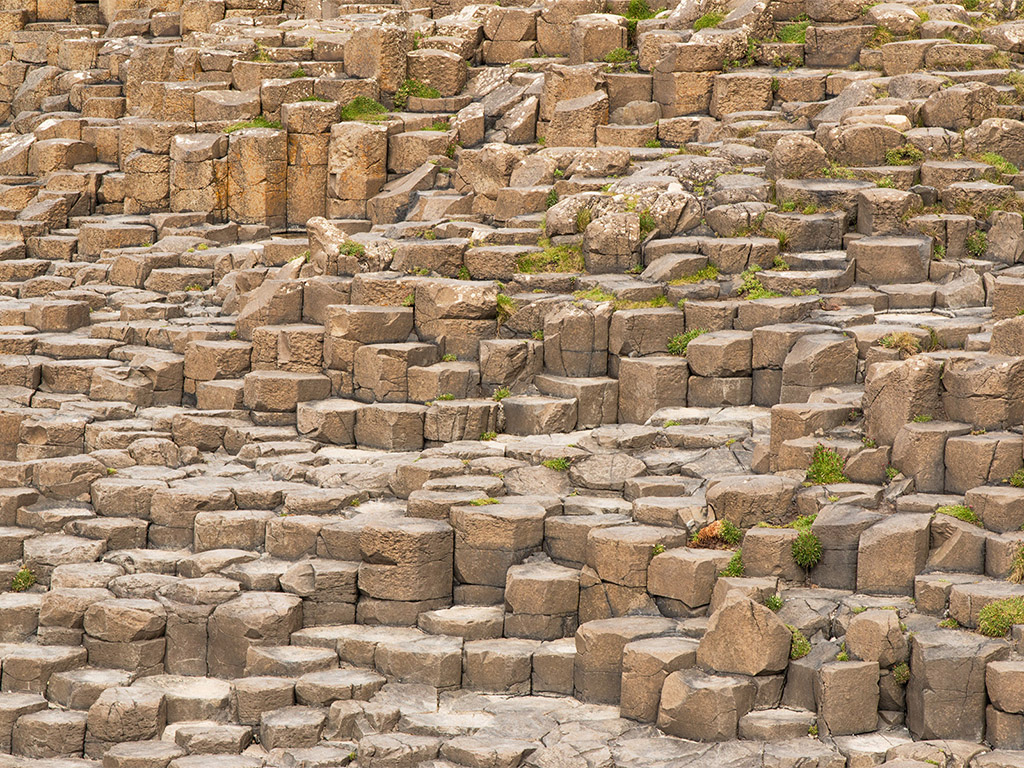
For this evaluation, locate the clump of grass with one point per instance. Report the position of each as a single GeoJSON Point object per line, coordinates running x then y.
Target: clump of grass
{"type": "Point", "coordinates": [657, 549]}
{"type": "Point", "coordinates": [554, 258]}
{"type": "Point", "coordinates": [560, 464]}
{"type": "Point", "coordinates": [708, 21]}
{"type": "Point", "coordinates": [800, 646]}
{"type": "Point", "coordinates": [960, 512]}
{"type": "Point", "coordinates": [1017, 566]}
{"type": "Point", "coordinates": [999, 162]}
{"type": "Point", "coordinates": [843, 654]}
{"type": "Point", "coordinates": [22, 580]}
{"type": "Point", "coordinates": [506, 307]}
{"type": "Point", "coordinates": [583, 219]}
{"type": "Point", "coordinates": [827, 467]}
{"type": "Point", "coordinates": [709, 272]}
{"type": "Point", "coordinates": [773, 603]}
{"type": "Point", "coordinates": [977, 244]}
{"type": "Point", "coordinates": [501, 394]}
{"type": "Point", "coordinates": [908, 154]}
{"type": "Point", "coordinates": [949, 624]}
{"type": "Point", "coordinates": [716, 535]}
{"type": "Point", "coordinates": [1016, 479]}
{"type": "Point", "coordinates": [647, 224]}
{"type": "Point", "coordinates": [486, 436]}
{"type": "Point", "coordinates": [638, 10]}
{"type": "Point", "coordinates": [618, 56]}
{"type": "Point", "coordinates": [257, 122]}
{"type": "Point", "coordinates": [552, 198]}
{"type": "Point", "coordinates": [795, 32]}
{"type": "Point", "coordinates": [679, 343]}
{"type": "Point", "coordinates": [901, 673]}
{"type": "Point", "coordinates": [353, 249]}
{"type": "Point", "coordinates": [806, 550]}
{"type": "Point", "coordinates": [261, 54]}
{"type": "Point", "coordinates": [905, 342]}
{"type": "Point", "coordinates": [297, 73]}
{"type": "Point", "coordinates": [735, 567]}
{"type": "Point", "coordinates": [593, 294]}
{"type": "Point", "coordinates": [833, 171]}
{"type": "Point", "coordinates": [483, 502]}
{"type": "Point", "coordinates": [923, 418]}
{"type": "Point", "coordinates": [996, 618]}
{"type": "Point", "coordinates": [752, 288]}
{"type": "Point", "coordinates": [414, 88]}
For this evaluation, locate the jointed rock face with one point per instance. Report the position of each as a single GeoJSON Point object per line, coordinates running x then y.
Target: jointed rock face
{"type": "Point", "coordinates": [578, 384]}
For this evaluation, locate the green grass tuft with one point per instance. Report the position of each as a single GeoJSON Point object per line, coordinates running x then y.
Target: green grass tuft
{"type": "Point", "coordinates": [679, 343]}
{"type": "Point", "coordinates": [800, 646]}
{"type": "Point", "coordinates": [996, 618]}
{"type": "Point", "coordinates": [827, 467]}
{"type": "Point", "coordinates": [735, 566]}
{"type": "Point", "coordinates": [708, 21]}
{"type": "Point", "coordinates": [806, 550]}
{"type": "Point", "coordinates": [960, 512]}
{"type": "Point", "coordinates": [22, 580]}
{"type": "Point", "coordinates": [256, 122]}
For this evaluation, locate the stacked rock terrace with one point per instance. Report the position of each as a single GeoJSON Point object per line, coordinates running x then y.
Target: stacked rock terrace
{"type": "Point", "coordinates": [578, 384]}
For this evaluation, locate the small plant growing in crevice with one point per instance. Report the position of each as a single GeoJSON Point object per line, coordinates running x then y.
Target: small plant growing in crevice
{"type": "Point", "coordinates": [352, 249]}
{"type": "Point", "coordinates": [977, 244]}
{"type": "Point", "coordinates": [257, 122]}
{"type": "Point", "coordinates": [901, 673]}
{"type": "Point", "coordinates": [806, 549]}
{"type": "Point", "coordinates": [827, 467]}
{"type": "Point", "coordinates": [843, 654]}
{"type": "Point", "coordinates": [794, 33]}
{"type": "Point", "coordinates": [1016, 574]}
{"type": "Point", "coordinates": [679, 343]}
{"type": "Point", "coordinates": [485, 436]}
{"type": "Point", "coordinates": [657, 549]}
{"type": "Point", "coordinates": [483, 502]}
{"type": "Point", "coordinates": [506, 308]}
{"type": "Point", "coordinates": [716, 535]}
{"type": "Point", "coordinates": [413, 88]}
{"type": "Point", "coordinates": [735, 567]}
{"type": "Point", "coordinates": [752, 288]}
{"type": "Point", "coordinates": [999, 162]}
{"type": "Point", "coordinates": [996, 618]}
{"type": "Point", "coordinates": [800, 645]}
{"type": "Point", "coordinates": [902, 341]}
{"type": "Point", "coordinates": [960, 512]}
{"type": "Point", "coordinates": [708, 21]}
{"type": "Point", "coordinates": [773, 603]}
{"type": "Point", "coordinates": [949, 624]}
{"type": "Point", "coordinates": [22, 580]}
{"type": "Point", "coordinates": [709, 272]}
{"type": "Point", "coordinates": [1016, 479]}
{"type": "Point", "coordinates": [501, 394]}
{"type": "Point", "coordinates": [908, 154]}
{"type": "Point", "coordinates": [560, 464]}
